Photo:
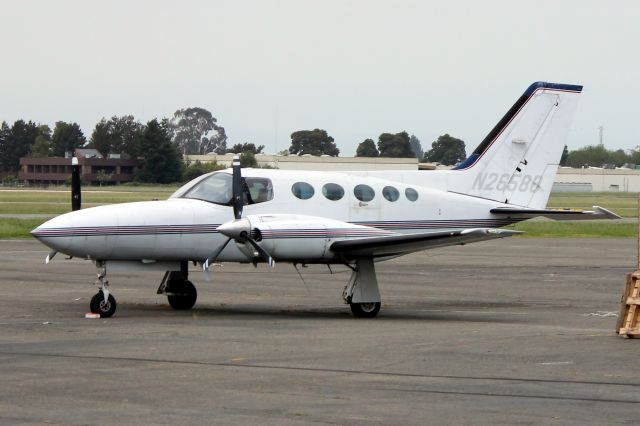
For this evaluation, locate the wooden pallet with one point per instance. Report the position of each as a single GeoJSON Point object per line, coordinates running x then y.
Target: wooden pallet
{"type": "Point", "coordinates": [628, 324]}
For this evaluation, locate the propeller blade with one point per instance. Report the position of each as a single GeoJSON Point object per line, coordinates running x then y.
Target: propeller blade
{"type": "Point", "coordinates": [50, 256]}
{"type": "Point", "coordinates": [75, 185]}
{"type": "Point", "coordinates": [211, 259]}
{"type": "Point", "coordinates": [263, 253]}
{"type": "Point", "coordinates": [237, 188]}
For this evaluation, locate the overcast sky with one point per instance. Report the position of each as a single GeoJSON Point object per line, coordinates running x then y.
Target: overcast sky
{"type": "Point", "coordinates": [354, 68]}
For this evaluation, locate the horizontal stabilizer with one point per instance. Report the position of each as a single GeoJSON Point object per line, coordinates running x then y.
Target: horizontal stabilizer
{"type": "Point", "coordinates": [557, 214]}
{"type": "Point", "coordinates": [396, 245]}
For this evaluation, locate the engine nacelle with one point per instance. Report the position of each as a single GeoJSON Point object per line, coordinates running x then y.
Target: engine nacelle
{"type": "Point", "coordinates": [302, 238]}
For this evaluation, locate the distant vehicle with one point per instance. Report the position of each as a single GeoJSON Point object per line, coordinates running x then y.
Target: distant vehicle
{"type": "Point", "coordinates": [350, 218]}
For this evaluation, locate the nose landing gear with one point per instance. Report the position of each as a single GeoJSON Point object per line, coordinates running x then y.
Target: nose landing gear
{"type": "Point", "coordinates": [103, 302]}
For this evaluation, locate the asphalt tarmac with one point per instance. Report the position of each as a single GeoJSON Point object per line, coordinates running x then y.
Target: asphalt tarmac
{"type": "Point", "coordinates": [519, 331]}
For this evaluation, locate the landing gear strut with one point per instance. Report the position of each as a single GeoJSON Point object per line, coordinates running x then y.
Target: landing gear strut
{"type": "Point", "coordinates": [103, 302]}
{"type": "Point", "coordinates": [361, 293]}
{"type": "Point", "coordinates": [181, 293]}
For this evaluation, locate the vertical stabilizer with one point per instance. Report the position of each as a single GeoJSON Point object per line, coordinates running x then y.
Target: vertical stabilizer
{"type": "Point", "coordinates": [517, 162]}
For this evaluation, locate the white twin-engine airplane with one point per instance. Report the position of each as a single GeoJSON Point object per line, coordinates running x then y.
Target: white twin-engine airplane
{"type": "Point", "coordinates": [349, 218]}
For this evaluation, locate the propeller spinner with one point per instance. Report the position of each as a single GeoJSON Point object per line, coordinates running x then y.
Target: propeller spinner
{"type": "Point", "coordinates": [238, 229]}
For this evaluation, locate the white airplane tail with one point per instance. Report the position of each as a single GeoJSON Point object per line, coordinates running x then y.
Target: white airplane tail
{"type": "Point", "coordinates": [517, 162]}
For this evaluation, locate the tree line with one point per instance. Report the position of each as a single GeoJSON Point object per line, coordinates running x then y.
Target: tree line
{"type": "Point", "coordinates": [599, 156]}
{"type": "Point", "coordinates": [161, 144]}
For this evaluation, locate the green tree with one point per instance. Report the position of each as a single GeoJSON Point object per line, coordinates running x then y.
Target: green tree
{"type": "Point", "coordinates": [16, 142]}
{"type": "Point", "coordinates": [195, 131]}
{"type": "Point", "coordinates": [5, 134]}
{"type": "Point", "coordinates": [197, 169]}
{"type": "Point", "coordinates": [314, 142]}
{"type": "Point", "coordinates": [66, 138]}
{"type": "Point", "coordinates": [446, 150]}
{"type": "Point", "coordinates": [119, 135]}
{"type": "Point", "coordinates": [394, 145]}
{"type": "Point", "coordinates": [367, 148]}
{"type": "Point", "coordinates": [104, 177]}
{"type": "Point", "coordinates": [248, 159]}
{"type": "Point", "coordinates": [239, 148]}
{"type": "Point", "coordinates": [162, 161]}
{"type": "Point", "coordinates": [416, 147]}
{"type": "Point", "coordinates": [41, 147]}
{"type": "Point", "coordinates": [589, 156]}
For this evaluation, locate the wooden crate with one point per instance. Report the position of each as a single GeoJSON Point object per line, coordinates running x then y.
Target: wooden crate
{"type": "Point", "coordinates": [628, 324]}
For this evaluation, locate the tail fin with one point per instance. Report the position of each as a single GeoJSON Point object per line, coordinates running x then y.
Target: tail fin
{"type": "Point", "coordinates": [517, 162]}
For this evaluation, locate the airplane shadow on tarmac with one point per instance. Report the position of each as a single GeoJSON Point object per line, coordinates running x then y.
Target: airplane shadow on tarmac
{"type": "Point", "coordinates": [435, 312]}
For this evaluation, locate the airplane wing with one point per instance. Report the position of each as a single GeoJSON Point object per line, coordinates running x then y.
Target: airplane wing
{"type": "Point", "coordinates": [556, 214]}
{"type": "Point", "coordinates": [396, 245]}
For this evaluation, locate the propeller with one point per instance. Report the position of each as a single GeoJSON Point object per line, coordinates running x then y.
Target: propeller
{"type": "Point", "coordinates": [75, 185]}
{"type": "Point", "coordinates": [239, 229]}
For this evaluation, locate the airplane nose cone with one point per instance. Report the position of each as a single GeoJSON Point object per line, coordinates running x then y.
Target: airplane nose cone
{"type": "Point", "coordinates": [52, 232]}
{"type": "Point", "coordinates": [235, 229]}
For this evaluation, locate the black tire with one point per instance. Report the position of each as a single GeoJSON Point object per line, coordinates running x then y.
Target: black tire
{"type": "Point", "coordinates": [365, 310]}
{"type": "Point", "coordinates": [98, 305]}
{"type": "Point", "coordinates": [185, 296]}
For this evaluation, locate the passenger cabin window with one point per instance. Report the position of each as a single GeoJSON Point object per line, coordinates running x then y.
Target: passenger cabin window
{"type": "Point", "coordinates": [333, 191]}
{"type": "Point", "coordinates": [218, 189]}
{"type": "Point", "coordinates": [390, 193]}
{"type": "Point", "coordinates": [364, 192]}
{"type": "Point", "coordinates": [302, 190]}
{"type": "Point", "coordinates": [411, 194]}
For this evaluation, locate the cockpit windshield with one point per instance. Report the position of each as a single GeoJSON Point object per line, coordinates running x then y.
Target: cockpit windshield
{"type": "Point", "coordinates": [218, 189]}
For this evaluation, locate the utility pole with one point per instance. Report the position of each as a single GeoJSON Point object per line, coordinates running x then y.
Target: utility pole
{"type": "Point", "coordinates": [601, 133]}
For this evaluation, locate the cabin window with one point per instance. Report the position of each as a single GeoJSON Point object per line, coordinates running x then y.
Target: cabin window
{"type": "Point", "coordinates": [411, 194]}
{"type": "Point", "coordinates": [302, 190]}
{"type": "Point", "coordinates": [390, 193]}
{"type": "Point", "coordinates": [333, 191]}
{"type": "Point", "coordinates": [364, 192]}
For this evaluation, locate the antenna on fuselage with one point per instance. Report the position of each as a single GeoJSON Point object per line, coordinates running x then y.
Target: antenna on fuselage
{"type": "Point", "coordinates": [76, 199]}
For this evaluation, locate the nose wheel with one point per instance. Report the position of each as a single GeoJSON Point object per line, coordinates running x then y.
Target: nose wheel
{"type": "Point", "coordinates": [103, 302]}
{"type": "Point", "coordinates": [99, 305]}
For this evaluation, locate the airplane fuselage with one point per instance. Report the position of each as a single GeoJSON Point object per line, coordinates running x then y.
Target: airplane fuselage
{"type": "Point", "coordinates": [186, 229]}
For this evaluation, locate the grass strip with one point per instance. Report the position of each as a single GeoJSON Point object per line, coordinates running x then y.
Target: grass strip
{"type": "Point", "coordinates": [11, 228]}
{"type": "Point", "coordinates": [576, 229]}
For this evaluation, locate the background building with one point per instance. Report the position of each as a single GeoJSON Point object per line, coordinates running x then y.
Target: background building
{"type": "Point", "coordinates": [94, 169]}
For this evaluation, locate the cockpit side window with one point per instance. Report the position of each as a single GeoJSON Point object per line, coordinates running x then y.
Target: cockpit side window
{"type": "Point", "coordinates": [258, 190]}
{"type": "Point", "coordinates": [218, 189]}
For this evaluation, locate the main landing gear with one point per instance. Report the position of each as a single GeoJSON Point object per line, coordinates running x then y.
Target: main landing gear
{"type": "Point", "coordinates": [181, 293]}
{"type": "Point", "coordinates": [361, 293]}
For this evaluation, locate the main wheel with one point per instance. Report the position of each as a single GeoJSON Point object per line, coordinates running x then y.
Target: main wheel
{"type": "Point", "coordinates": [99, 306]}
{"type": "Point", "coordinates": [365, 310]}
{"type": "Point", "coordinates": [185, 296]}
